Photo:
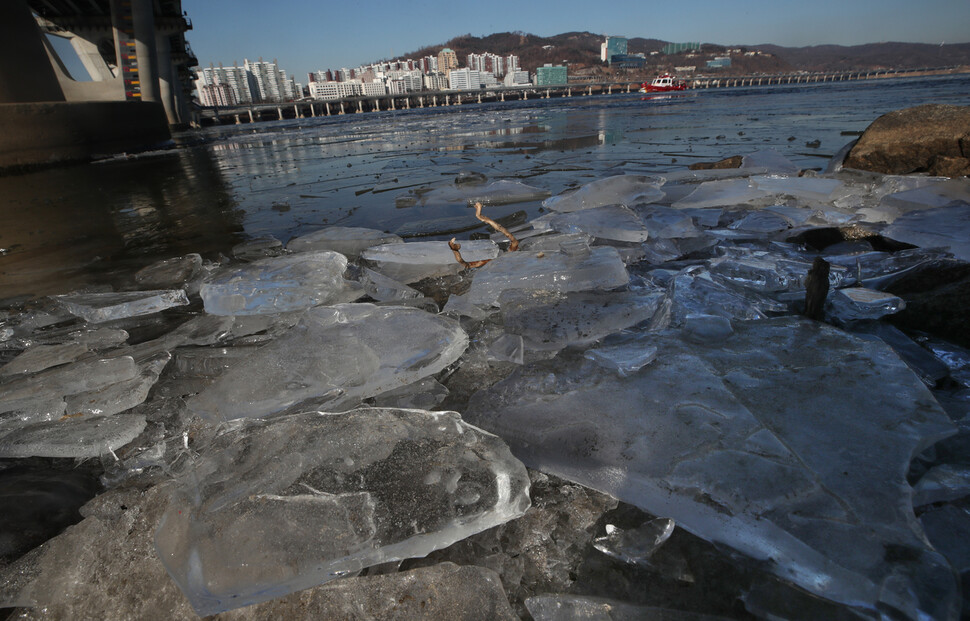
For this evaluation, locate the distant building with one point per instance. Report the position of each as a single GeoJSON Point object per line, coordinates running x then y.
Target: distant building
{"type": "Point", "coordinates": [464, 80]}
{"type": "Point", "coordinates": [685, 69]}
{"type": "Point", "coordinates": [272, 82]}
{"type": "Point", "coordinates": [217, 95]}
{"type": "Point", "coordinates": [447, 60]}
{"type": "Point", "coordinates": [241, 81]}
{"type": "Point", "coordinates": [613, 46]}
{"type": "Point", "coordinates": [334, 90]}
{"type": "Point", "coordinates": [435, 81]}
{"type": "Point", "coordinates": [517, 78]}
{"type": "Point", "coordinates": [428, 64]}
{"type": "Point", "coordinates": [487, 63]}
{"type": "Point", "coordinates": [628, 61]}
{"type": "Point", "coordinates": [676, 48]}
{"type": "Point", "coordinates": [550, 75]}
{"type": "Point", "coordinates": [512, 64]}
{"type": "Point", "coordinates": [719, 62]}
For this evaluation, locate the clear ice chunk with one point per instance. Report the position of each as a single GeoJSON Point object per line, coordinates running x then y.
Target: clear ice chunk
{"type": "Point", "coordinates": [72, 437]}
{"type": "Point", "coordinates": [602, 268]}
{"type": "Point", "coordinates": [943, 227]}
{"type": "Point", "coordinates": [384, 289]}
{"type": "Point", "coordinates": [626, 190]}
{"type": "Point", "coordinates": [507, 348]}
{"type": "Point", "coordinates": [348, 241]}
{"type": "Point", "coordinates": [744, 444]}
{"type": "Point", "coordinates": [336, 355]}
{"type": "Point", "coordinates": [762, 222]}
{"type": "Point", "coordinates": [70, 379]}
{"type": "Point", "coordinates": [424, 394]}
{"type": "Point", "coordinates": [624, 358]}
{"type": "Point", "coordinates": [101, 307]}
{"type": "Point", "coordinates": [258, 248]}
{"type": "Point", "coordinates": [707, 329]}
{"type": "Point", "coordinates": [667, 223]}
{"type": "Point", "coordinates": [769, 159]}
{"type": "Point", "coordinates": [610, 222]}
{"type": "Point", "coordinates": [942, 483]}
{"type": "Point", "coordinates": [856, 303]}
{"type": "Point", "coordinates": [416, 261]}
{"type": "Point", "coordinates": [802, 189]}
{"type": "Point", "coordinates": [721, 193]}
{"type": "Point", "coordinates": [274, 506]}
{"type": "Point", "coordinates": [171, 273]}
{"type": "Point", "coordinates": [42, 357]}
{"type": "Point", "coordinates": [589, 608]}
{"type": "Point", "coordinates": [121, 396]}
{"type": "Point", "coordinates": [636, 545]}
{"type": "Point", "coordinates": [550, 320]}
{"type": "Point", "coordinates": [278, 284]}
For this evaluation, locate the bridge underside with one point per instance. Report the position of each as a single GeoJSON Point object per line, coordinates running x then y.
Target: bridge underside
{"type": "Point", "coordinates": [138, 62]}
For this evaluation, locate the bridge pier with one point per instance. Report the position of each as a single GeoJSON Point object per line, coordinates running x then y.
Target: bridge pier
{"type": "Point", "coordinates": [479, 98]}
{"type": "Point", "coordinates": [434, 101]}
{"type": "Point", "coordinates": [447, 100]}
{"type": "Point", "coordinates": [360, 106]}
{"type": "Point", "coordinates": [502, 96]}
{"type": "Point", "coordinates": [296, 112]}
{"type": "Point", "coordinates": [421, 102]}
{"type": "Point", "coordinates": [569, 92]}
{"type": "Point", "coordinates": [392, 105]}
{"type": "Point", "coordinates": [407, 103]}
{"type": "Point", "coordinates": [525, 95]}
{"type": "Point", "coordinates": [238, 122]}
{"type": "Point", "coordinates": [547, 93]}
{"type": "Point", "coordinates": [327, 107]}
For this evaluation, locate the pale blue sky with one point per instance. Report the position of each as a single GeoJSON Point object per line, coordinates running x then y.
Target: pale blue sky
{"type": "Point", "coordinates": [311, 35]}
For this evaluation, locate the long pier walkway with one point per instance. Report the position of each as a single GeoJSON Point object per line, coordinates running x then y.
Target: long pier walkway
{"type": "Point", "coordinates": [431, 99]}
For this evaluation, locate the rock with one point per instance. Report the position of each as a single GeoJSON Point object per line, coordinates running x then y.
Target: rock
{"type": "Point", "coordinates": [729, 162]}
{"type": "Point", "coordinates": [937, 297]}
{"type": "Point", "coordinates": [907, 141]}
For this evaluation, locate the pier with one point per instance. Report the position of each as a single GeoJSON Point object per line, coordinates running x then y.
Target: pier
{"type": "Point", "coordinates": [252, 113]}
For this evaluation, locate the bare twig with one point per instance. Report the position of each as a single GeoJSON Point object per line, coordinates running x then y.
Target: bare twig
{"type": "Point", "coordinates": [456, 248]}
{"type": "Point", "coordinates": [498, 227]}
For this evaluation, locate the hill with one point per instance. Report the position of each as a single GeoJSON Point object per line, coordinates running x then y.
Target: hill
{"type": "Point", "coordinates": [581, 50]}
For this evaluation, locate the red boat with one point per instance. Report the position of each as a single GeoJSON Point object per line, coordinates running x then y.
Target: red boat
{"type": "Point", "coordinates": [663, 84]}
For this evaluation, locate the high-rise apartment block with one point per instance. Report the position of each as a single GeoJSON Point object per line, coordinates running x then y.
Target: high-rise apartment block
{"type": "Point", "coordinates": [613, 46]}
{"type": "Point", "coordinates": [216, 95]}
{"type": "Point", "coordinates": [240, 81]}
{"type": "Point", "coordinates": [447, 60]}
{"type": "Point", "coordinates": [254, 82]}
{"type": "Point", "coordinates": [464, 80]}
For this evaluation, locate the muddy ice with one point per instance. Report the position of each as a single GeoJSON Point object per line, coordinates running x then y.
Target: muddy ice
{"type": "Point", "coordinates": [627, 408]}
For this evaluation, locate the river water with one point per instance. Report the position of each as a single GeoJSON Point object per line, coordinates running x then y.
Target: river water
{"type": "Point", "coordinates": [90, 224]}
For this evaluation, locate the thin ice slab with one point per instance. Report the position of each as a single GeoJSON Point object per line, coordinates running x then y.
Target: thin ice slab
{"type": "Point", "coordinates": [782, 441]}
{"type": "Point", "coordinates": [347, 240]}
{"type": "Point", "coordinates": [626, 190]}
{"type": "Point", "coordinates": [584, 269]}
{"type": "Point", "coordinates": [336, 355]}
{"type": "Point", "coordinates": [416, 261]}
{"type": "Point", "coordinates": [610, 222]}
{"type": "Point", "coordinates": [278, 285]}
{"type": "Point", "coordinates": [275, 506]}
{"type": "Point", "coordinates": [943, 227]}
{"type": "Point", "coordinates": [101, 307]}
{"type": "Point", "coordinates": [73, 437]}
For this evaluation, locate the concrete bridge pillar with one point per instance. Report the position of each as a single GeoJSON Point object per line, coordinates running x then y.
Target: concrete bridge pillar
{"type": "Point", "coordinates": [238, 122]}
{"type": "Point", "coordinates": [143, 20]}
{"type": "Point", "coordinates": [479, 98]}
{"type": "Point", "coordinates": [26, 76]}
{"type": "Point", "coordinates": [168, 81]}
{"type": "Point", "coordinates": [569, 92]}
{"type": "Point", "coordinates": [279, 112]}
{"type": "Point", "coordinates": [251, 119]}
{"type": "Point", "coordinates": [547, 93]}
{"type": "Point", "coordinates": [326, 106]}
{"type": "Point", "coordinates": [407, 103]}
{"type": "Point", "coordinates": [391, 107]}
{"type": "Point", "coordinates": [458, 100]}
{"type": "Point", "coordinates": [447, 100]}
{"type": "Point", "coordinates": [360, 106]}
{"type": "Point", "coordinates": [502, 96]}
{"type": "Point", "coordinates": [421, 101]}
{"type": "Point", "coordinates": [434, 101]}
{"type": "Point", "coordinates": [341, 108]}
{"type": "Point", "coordinates": [312, 111]}
{"type": "Point", "coordinates": [525, 95]}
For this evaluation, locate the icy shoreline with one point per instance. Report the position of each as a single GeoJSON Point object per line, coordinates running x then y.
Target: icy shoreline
{"type": "Point", "coordinates": [643, 341]}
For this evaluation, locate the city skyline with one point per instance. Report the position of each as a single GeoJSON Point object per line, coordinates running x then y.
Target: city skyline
{"type": "Point", "coordinates": [306, 37]}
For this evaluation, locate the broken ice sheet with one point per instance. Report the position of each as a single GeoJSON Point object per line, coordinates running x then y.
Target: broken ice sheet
{"type": "Point", "coordinates": [275, 506]}
{"type": "Point", "coordinates": [626, 190]}
{"type": "Point", "coordinates": [943, 227]}
{"type": "Point", "coordinates": [101, 307]}
{"type": "Point", "coordinates": [942, 483]}
{"type": "Point", "coordinates": [722, 193]}
{"type": "Point", "coordinates": [554, 320]}
{"type": "Point", "coordinates": [744, 444]}
{"type": "Point", "coordinates": [336, 355]}
{"type": "Point", "coordinates": [40, 357]}
{"type": "Point", "coordinates": [503, 192]}
{"type": "Point", "coordinates": [769, 159]}
{"type": "Point", "coordinates": [599, 268]}
{"type": "Point", "coordinates": [69, 379]}
{"type": "Point", "coordinates": [610, 222]}
{"type": "Point", "coordinates": [587, 608]}
{"type": "Point", "coordinates": [73, 437]}
{"type": "Point", "coordinates": [416, 261]}
{"type": "Point", "coordinates": [170, 273]}
{"type": "Point", "coordinates": [855, 303]}
{"type": "Point", "coordinates": [635, 545]}
{"type": "Point", "coordinates": [348, 241]}
{"type": "Point", "coordinates": [278, 284]}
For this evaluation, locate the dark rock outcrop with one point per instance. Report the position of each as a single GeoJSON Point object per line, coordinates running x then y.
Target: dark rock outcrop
{"type": "Point", "coordinates": [729, 162]}
{"type": "Point", "coordinates": [931, 138]}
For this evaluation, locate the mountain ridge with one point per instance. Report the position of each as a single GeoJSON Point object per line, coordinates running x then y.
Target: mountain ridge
{"type": "Point", "coordinates": [582, 51]}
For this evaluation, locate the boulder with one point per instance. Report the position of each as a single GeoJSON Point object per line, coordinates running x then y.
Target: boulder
{"type": "Point", "coordinates": [933, 138]}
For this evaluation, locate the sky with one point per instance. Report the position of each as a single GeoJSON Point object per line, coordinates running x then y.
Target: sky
{"type": "Point", "coordinates": [315, 35]}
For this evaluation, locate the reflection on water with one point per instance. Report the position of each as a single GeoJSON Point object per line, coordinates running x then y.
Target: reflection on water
{"type": "Point", "coordinates": [66, 227]}
{"type": "Point", "coordinates": [288, 178]}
